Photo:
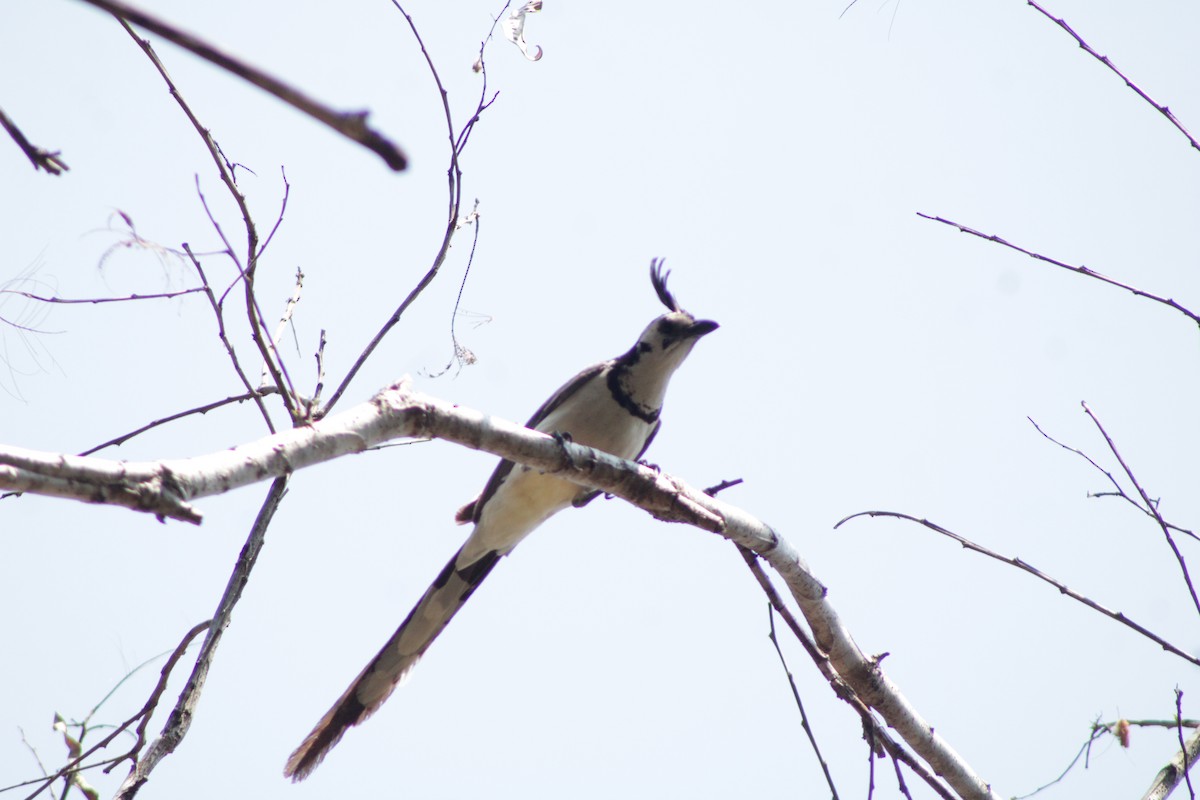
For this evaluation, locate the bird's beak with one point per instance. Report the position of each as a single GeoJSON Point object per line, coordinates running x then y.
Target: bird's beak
{"type": "Point", "coordinates": [702, 327]}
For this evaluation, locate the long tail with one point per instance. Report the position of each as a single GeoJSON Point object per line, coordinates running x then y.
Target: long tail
{"type": "Point", "coordinates": [374, 684]}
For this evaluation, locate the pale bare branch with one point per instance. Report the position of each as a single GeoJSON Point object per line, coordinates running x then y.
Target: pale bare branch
{"type": "Point", "coordinates": [165, 487]}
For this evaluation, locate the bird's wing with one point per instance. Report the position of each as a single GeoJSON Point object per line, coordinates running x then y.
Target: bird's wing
{"type": "Point", "coordinates": [588, 495]}
{"type": "Point", "coordinates": [470, 512]}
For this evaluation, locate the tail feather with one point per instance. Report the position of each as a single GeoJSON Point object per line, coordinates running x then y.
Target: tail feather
{"type": "Point", "coordinates": [374, 684]}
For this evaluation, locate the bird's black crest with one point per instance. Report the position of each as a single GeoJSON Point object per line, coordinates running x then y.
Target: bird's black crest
{"type": "Point", "coordinates": [659, 279]}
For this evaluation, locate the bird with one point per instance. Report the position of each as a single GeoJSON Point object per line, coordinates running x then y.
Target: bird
{"type": "Point", "coordinates": [614, 406]}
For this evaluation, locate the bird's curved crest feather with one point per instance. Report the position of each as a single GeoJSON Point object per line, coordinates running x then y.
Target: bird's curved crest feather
{"type": "Point", "coordinates": [659, 279]}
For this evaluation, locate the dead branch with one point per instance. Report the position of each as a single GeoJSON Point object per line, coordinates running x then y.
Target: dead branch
{"type": "Point", "coordinates": [1151, 505]}
{"type": "Point", "coordinates": [165, 487]}
{"type": "Point", "coordinates": [142, 717]}
{"type": "Point", "coordinates": [180, 720]}
{"type": "Point", "coordinates": [41, 159]}
{"type": "Point", "coordinates": [351, 124]}
{"type": "Point", "coordinates": [458, 142]}
{"type": "Point", "coordinates": [1037, 573]}
{"type": "Point", "coordinates": [1082, 270]}
{"type": "Point", "coordinates": [1162, 109]}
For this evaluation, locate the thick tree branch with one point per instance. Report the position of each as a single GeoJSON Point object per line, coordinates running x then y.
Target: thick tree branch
{"type": "Point", "coordinates": [165, 487]}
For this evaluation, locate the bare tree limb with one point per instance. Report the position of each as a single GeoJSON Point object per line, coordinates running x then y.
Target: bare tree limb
{"type": "Point", "coordinates": [1037, 573]}
{"type": "Point", "coordinates": [1082, 270]}
{"type": "Point", "coordinates": [98, 300]}
{"type": "Point", "coordinates": [204, 409]}
{"type": "Point", "coordinates": [351, 124]}
{"type": "Point", "coordinates": [164, 487]}
{"type": "Point", "coordinates": [1162, 109]}
{"type": "Point", "coordinates": [180, 720]}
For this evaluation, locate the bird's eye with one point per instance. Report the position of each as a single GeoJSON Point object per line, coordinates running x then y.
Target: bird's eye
{"type": "Point", "coordinates": [672, 328]}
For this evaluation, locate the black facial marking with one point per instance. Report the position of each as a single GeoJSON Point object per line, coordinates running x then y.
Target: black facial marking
{"type": "Point", "coordinates": [622, 396]}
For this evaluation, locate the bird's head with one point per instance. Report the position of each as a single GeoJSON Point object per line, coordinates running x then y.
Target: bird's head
{"type": "Point", "coordinates": [644, 371]}
{"type": "Point", "coordinates": [671, 336]}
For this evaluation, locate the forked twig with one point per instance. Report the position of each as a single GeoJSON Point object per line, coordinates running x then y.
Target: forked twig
{"type": "Point", "coordinates": [1118, 490]}
{"type": "Point", "coordinates": [143, 714]}
{"type": "Point", "coordinates": [1151, 505]}
{"type": "Point", "coordinates": [219, 313]}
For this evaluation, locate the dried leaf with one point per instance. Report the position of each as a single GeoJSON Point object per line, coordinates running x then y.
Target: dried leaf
{"type": "Point", "coordinates": [514, 29]}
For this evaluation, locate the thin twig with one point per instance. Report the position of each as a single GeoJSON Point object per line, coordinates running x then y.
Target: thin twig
{"type": "Point", "coordinates": [219, 312]}
{"type": "Point", "coordinates": [98, 300]}
{"type": "Point", "coordinates": [1096, 733]}
{"type": "Point", "coordinates": [204, 409]}
{"type": "Point", "coordinates": [289, 307]}
{"type": "Point", "coordinates": [900, 782]}
{"type": "Point", "coordinates": [1020, 564]}
{"type": "Point", "coordinates": [1119, 490]}
{"type": "Point", "coordinates": [255, 317]}
{"type": "Point", "coordinates": [1187, 578]}
{"type": "Point", "coordinates": [458, 143]}
{"type": "Point", "coordinates": [1162, 109]}
{"type": "Point", "coordinates": [461, 354]}
{"type": "Point", "coordinates": [1150, 723]}
{"type": "Point", "coordinates": [225, 170]}
{"type": "Point", "coordinates": [320, 357]}
{"type": "Point", "coordinates": [1183, 748]}
{"type": "Point", "coordinates": [351, 124]}
{"type": "Point", "coordinates": [1082, 270]}
{"type": "Point", "coordinates": [804, 723]}
{"type": "Point", "coordinates": [287, 191]}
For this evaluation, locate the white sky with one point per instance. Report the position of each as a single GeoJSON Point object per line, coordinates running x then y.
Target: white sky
{"type": "Point", "coordinates": [777, 155]}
